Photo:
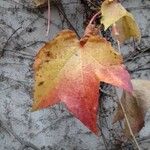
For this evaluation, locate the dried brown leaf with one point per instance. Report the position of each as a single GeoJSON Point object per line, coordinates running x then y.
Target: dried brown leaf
{"type": "Point", "coordinates": [136, 104]}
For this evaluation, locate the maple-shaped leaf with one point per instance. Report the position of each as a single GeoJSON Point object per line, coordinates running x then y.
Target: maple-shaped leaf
{"type": "Point", "coordinates": [126, 27]}
{"type": "Point", "coordinates": [136, 104]}
{"type": "Point", "coordinates": [113, 13]}
{"type": "Point", "coordinates": [70, 72]}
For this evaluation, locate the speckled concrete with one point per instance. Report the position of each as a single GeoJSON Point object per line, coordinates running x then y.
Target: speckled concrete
{"type": "Point", "coordinates": [53, 128]}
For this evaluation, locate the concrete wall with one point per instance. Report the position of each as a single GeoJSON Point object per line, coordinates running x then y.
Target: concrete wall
{"type": "Point", "coordinates": [53, 128]}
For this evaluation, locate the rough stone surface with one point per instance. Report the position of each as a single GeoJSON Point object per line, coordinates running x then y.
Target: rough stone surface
{"type": "Point", "coordinates": [54, 128]}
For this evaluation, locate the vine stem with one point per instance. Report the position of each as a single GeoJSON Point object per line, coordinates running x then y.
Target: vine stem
{"type": "Point", "coordinates": [49, 15]}
{"type": "Point", "coordinates": [124, 112]}
{"type": "Point", "coordinates": [24, 144]}
{"type": "Point", "coordinates": [60, 8]}
{"type": "Point", "coordinates": [116, 33]}
{"type": "Point", "coordinates": [3, 49]}
{"type": "Point", "coordinates": [126, 118]}
{"type": "Point", "coordinates": [90, 29]}
{"type": "Point", "coordinates": [93, 18]}
{"type": "Point", "coordinates": [128, 123]}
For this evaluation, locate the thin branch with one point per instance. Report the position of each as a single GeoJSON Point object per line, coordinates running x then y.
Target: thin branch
{"type": "Point", "coordinates": [104, 140]}
{"type": "Point", "coordinates": [25, 144]}
{"type": "Point", "coordinates": [103, 91]}
{"type": "Point", "coordinates": [141, 7]}
{"type": "Point", "coordinates": [140, 69]}
{"type": "Point", "coordinates": [134, 56]}
{"type": "Point", "coordinates": [122, 107]}
{"type": "Point", "coordinates": [93, 18]}
{"type": "Point", "coordinates": [3, 49]}
{"type": "Point", "coordinates": [61, 10]}
{"type": "Point", "coordinates": [49, 14]}
{"type": "Point", "coordinates": [93, 4]}
{"type": "Point", "coordinates": [116, 33]}
{"type": "Point", "coordinates": [100, 123]}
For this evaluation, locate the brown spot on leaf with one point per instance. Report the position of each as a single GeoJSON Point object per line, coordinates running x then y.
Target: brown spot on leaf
{"type": "Point", "coordinates": [40, 83]}
{"type": "Point", "coordinates": [49, 54]}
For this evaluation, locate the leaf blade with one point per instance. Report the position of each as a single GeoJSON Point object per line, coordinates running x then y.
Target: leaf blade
{"type": "Point", "coordinates": [70, 73]}
{"type": "Point", "coordinates": [111, 12]}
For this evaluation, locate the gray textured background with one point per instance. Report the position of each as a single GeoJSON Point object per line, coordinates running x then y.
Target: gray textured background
{"type": "Point", "coordinates": [54, 128]}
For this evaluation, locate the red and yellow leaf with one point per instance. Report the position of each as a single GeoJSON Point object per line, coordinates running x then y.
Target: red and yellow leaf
{"type": "Point", "coordinates": [70, 72]}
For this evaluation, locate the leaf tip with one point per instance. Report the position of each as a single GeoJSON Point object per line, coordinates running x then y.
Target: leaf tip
{"type": "Point", "coordinates": [35, 107]}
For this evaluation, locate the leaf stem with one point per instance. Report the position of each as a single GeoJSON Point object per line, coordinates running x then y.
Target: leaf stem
{"type": "Point", "coordinates": [128, 123]}
{"type": "Point", "coordinates": [116, 33]}
{"type": "Point", "coordinates": [125, 115]}
{"type": "Point", "coordinates": [93, 18]}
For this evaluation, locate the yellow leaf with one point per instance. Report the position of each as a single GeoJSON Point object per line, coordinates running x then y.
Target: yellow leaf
{"type": "Point", "coordinates": [40, 2]}
{"type": "Point", "coordinates": [126, 28]}
{"type": "Point", "coordinates": [111, 12]}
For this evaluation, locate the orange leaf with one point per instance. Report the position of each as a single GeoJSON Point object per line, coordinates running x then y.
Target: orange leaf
{"type": "Point", "coordinates": [70, 72]}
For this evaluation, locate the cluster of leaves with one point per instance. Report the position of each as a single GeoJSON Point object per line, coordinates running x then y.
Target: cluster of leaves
{"type": "Point", "coordinates": [70, 70]}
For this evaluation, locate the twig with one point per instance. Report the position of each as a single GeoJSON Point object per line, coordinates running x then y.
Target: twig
{"type": "Point", "coordinates": [49, 14]}
{"type": "Point", "coordinates": [139, 69]}
{"type": "Point", "coordinates": [116, 33]}
{"type": "Point", "coordinates": [112, 95]}
{"type": "Point", "coordinates": [20, 140]}
{"type": "Point", "coordinates": [58, 4]}
{"type": "Point", "coordinates": [137, 57]}
{"type": "Point", "coordinates": [122, 107]}
{"type": "Point", "coordinates": [141, 7]}
{"type": "Point", "coordinates": [93, 18]}
{"type": "Point", "coordinates": [93, 4]}
{"type": "Point", "coordinates": [144, 138]}
{"type": "Point", "coordinates": [3, 49]}
{"type": "Point", "coordinates": [100, 123]}
{"type": "Point", "coordinates": [3, 90]}
{"type": "Point", "coordinates": [104, 140]}
{"type": "Point", "coordinates": [133, 57]}
{"type": "Point", "coordinates": [126, 118]}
